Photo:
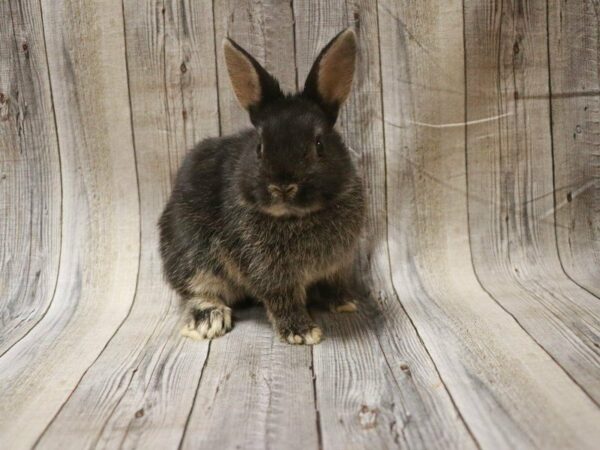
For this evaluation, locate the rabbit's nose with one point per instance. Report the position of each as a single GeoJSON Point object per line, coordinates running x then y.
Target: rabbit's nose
{"type": "Point", "coordinates": [289, 190]}
{"type": "Point", "coordinates": [283, 190]}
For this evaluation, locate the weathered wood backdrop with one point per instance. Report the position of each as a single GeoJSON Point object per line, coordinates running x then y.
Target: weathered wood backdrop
{"type": "Point", "coordinates": [477, 129]}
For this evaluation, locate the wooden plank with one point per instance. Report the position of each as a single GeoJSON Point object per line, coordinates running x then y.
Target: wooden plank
{"type": "Point", "coordinates": [491, 367]}
{"type": "Point", "coordinates": [143, 399]}
{"type": "Point", "coordinates": [99, 259]}
{"type": "Point", "coordinates": [574, 43]}
{"type": "Point", "coordinates": [30, 190]}
{"type": "Point", "coordinates": [376, 386]}
{"type": "Point", "coordinates": [258, 386]}
{"type": "Point", "coordinates": [511, 221]}
{"type": "Point", "coordinates": [140, 391]}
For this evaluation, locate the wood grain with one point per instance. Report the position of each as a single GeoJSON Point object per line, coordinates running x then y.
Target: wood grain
{"type": "Point", "coordinates": [99, 258]}
{"type": "Point", "coordinates": [30, 186]}
{"type": "Point", "coordinates": [475, 125]}
{"type": "Point", "coordinates": [574, 61]}
{"type": "Point", "coordinates": [257, 385]}
{"type": "Point", "coordinates": [512, 231]}
{"type": "Point", "coordinates": [424, 101]}
{"type": "Point", "coordinates": [142, 386]}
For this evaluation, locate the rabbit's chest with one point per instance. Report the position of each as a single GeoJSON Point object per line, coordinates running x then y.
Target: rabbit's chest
{"type": "Point", "coordinates": [297, 251]}
{"type": "Point", "coordinates": [307, 250]}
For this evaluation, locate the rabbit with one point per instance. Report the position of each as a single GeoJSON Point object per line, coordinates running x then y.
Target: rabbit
{"type": "Point", "coordinates": [271, 213]}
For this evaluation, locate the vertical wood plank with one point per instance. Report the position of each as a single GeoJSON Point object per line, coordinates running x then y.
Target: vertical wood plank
{"type": "Point", "coordinates": [574, 43]}
{"type": "Point", "coordinates": [142, 386]}
{"type": "Point", "coordinates": [100, 248]}
{"type": "Point", "coordinates": [30, 190]}
{"type": "Point", "coordinates": [491, 367]}
{"type": "Point", "coordinates": [511, 211]}
{"type": "Point", "coordinates": [258, 385]}
{"type": "Point", "coordinates": [376, 385]}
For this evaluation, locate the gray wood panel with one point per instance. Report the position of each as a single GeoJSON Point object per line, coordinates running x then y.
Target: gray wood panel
{"type": "Point", "coordinates": [512, 226]}
{"type": "Point", "coordinates": [30, 185]}
{"type": "Point", "coordinates": [100, 248]}
{"type": "Point", "coordinates": [142, 386]}
{"type": "Point", "coordinates": [423, 65]}
{"type": "Point", "coordinates": [574, 51]}
{"type": "Point", "coordinates": [475, 125]}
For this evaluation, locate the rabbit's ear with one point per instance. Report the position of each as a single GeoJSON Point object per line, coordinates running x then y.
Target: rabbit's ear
{"type": "Point", "coordinates": [254, 87]}
{"type": "Point", "coordinates": [329, 81]}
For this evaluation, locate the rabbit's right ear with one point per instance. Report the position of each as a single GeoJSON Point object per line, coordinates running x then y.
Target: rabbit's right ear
{"type": "Point", "coordinates": [254, 87]}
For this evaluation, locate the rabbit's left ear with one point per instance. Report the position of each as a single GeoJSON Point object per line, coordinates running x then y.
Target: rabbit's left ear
{"type": "Point", "coordinates": [330, 79]}
{"type": "Point", "coordinates": [254, 87]}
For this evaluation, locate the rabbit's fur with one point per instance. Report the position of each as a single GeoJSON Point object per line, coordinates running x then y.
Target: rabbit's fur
{"type": "Point", "coordinates": [272, 212]}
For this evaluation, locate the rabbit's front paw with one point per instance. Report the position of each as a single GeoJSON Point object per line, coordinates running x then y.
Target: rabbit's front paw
{"type": "Point", "coordinates": [301, 335]}
{"type": "Point", "coordinates": [208, 323]}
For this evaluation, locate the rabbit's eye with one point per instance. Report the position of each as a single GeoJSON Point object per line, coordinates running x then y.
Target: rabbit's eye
{"type": "Point", "coordinates": [259, 150]}
{"type": "Point", "coordinates": [319, 146]}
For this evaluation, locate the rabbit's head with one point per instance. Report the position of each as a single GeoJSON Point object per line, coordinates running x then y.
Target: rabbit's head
{"type": "Point", "coordinates": [299, 163]}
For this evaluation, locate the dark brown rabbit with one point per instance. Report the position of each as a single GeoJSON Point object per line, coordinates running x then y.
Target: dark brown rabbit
{"type": "Point", "coordinates": [273, 212]}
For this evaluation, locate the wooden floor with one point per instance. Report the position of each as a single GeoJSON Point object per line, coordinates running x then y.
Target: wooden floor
{"type": "Point", "coordinates": [476, 125]}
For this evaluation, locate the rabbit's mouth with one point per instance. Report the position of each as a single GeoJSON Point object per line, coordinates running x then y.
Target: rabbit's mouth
{"type": "Point", "coordinates": [281, 209]}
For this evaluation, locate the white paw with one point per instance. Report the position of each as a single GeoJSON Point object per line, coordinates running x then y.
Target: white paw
{"type": "Point", "coordinates": [208, 323]}
{"type": "Point", "coordinates": [346, 307]}
{"type": "Point", "coordinates": [311, 337]}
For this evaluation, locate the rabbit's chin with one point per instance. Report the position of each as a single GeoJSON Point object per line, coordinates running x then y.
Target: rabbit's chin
{"type": "Point", "coordinates": [287, 210]}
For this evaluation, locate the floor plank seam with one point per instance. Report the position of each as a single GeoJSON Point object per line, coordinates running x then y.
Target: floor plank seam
{"type": "Point", "coordinates": [433, 363]}
{"type": "Point", "coordinates": [393, 425]}
{"type": "Point", "coordinates": [113, 409]}
{"type": "Point", "coordinates": [144, 396]}
{"type": "Point", "coordinates": [316, 397]}
{"type": "Point", "coordinates": [90, 366]}
{"type": "Point", "coordinates": [522, 327]}
{"type": "Point", "coordinates": [133, 372]}
{"type": "Point", "coordinates": [187, 422]}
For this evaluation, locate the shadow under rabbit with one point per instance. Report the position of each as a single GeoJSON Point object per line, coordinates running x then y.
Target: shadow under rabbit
{"type": "Point", "coordinates": [335, 325]}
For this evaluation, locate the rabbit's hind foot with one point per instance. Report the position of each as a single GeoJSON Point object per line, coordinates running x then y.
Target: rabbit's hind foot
{"type": "Point", "coordinates": [309, 336]}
